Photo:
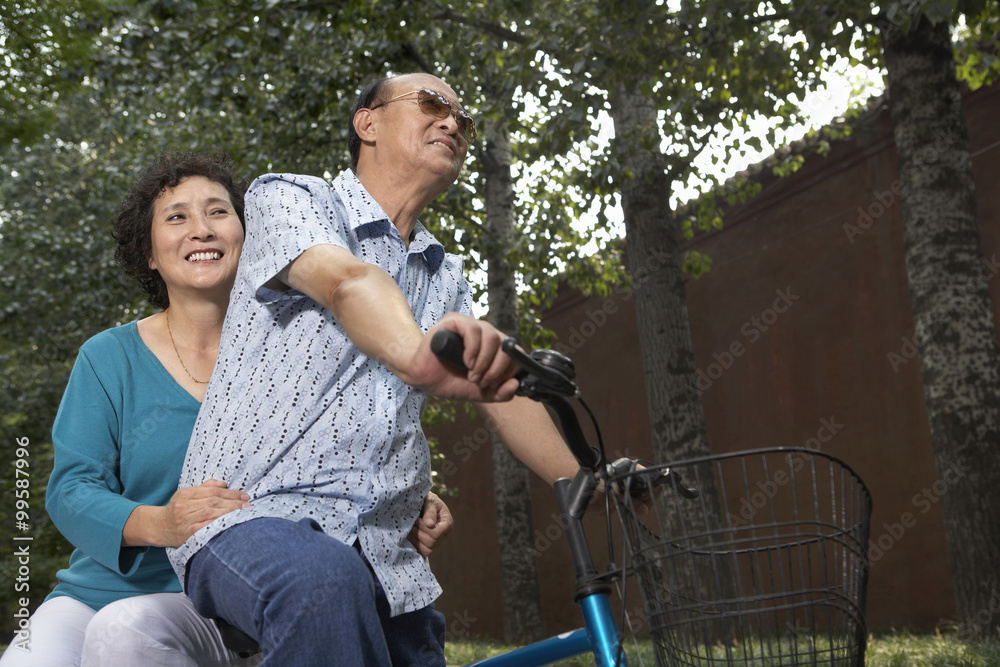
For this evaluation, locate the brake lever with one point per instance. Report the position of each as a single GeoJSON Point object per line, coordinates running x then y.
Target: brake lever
{"type": "Point", "coordinates": [545, 376]}
{"type": "Point", "coordinates": [543, 372]}
{"type": "Point", "coordinates": [641, 482]}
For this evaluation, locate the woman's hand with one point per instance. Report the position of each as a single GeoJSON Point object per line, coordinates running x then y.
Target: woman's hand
{"type": "Point", "coordinates": [189, 509]}
{"type": "Point", "coordinates": [434, 524]}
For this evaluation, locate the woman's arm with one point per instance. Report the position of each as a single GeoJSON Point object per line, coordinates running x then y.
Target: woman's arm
{"type": "Point", "coordinates": [189, 510]}
{"type": "Point", "coordinates": [84, 493]}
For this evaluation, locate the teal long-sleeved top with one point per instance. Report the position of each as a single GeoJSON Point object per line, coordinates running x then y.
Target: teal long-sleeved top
{"type": "Point", "coordinates": [120, 437]}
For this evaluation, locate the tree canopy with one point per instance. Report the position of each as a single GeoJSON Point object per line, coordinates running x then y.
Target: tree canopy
{"type": "Point", "coordinates": [92, 91]}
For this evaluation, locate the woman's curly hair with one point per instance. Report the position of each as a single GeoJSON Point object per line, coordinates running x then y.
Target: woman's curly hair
{"type": "Point", "coordinates": [133, 224]}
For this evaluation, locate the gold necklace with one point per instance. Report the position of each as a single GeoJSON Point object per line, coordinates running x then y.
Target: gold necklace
{"type": "Point", "coordinates": [171, 334]}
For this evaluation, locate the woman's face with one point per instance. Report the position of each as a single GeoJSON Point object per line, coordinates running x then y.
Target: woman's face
{"type": "Point", "coordinates": [197, 238]}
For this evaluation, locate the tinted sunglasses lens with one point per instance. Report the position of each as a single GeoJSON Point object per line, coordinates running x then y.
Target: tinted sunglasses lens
{"type": "Point", "coordinates": [434, 105]}
{"type": "Point", "coordinates": [466, 126]}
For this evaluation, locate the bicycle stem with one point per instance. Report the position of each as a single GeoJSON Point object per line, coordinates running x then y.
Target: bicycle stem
{"type": "Point", "coordinates": [546, 376]}
{"type": "Point", "coordinates": [587, 456]}
{"type": "Point", "coordinates": [573, 498]}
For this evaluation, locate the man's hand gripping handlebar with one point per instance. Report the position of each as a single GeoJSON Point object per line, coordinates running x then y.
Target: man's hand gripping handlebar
{"type": "Point", "coordinates": [547, 376]}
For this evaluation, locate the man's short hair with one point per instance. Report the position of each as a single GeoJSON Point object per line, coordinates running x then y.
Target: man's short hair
{"type": "Point", "coordinates": [369, 96]}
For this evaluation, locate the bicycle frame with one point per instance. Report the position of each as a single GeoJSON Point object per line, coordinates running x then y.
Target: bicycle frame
{"type": "Point", "coordinates": [835, 583]}
{"type": "Point", "coordinates": [547, 377]}
{"type": "Point", "coordinates": [600, 635]}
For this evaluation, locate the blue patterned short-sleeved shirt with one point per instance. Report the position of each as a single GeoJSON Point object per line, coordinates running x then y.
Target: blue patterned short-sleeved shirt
{"type": "Point", "coordinates": [295, 414]}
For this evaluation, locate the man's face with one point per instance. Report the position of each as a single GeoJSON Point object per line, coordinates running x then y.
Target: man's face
{"type": "Point", "coordinates": [419, 140]}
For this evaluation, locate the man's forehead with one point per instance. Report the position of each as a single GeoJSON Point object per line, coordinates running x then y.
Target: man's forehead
{"type": "Point", "coordinates": [404, 82]}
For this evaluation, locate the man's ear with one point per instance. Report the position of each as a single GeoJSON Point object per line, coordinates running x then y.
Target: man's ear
{"type": "Point", "coordinates": [364, 124]}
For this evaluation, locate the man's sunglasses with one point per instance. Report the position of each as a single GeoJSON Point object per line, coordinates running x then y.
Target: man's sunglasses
{"type": "Point", "coordinates": [436, 105]}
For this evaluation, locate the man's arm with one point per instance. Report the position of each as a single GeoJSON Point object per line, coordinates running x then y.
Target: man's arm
{"type": "Point", "coordinates": [377, 318]}
{"type": "Point", "coordinates": [525, 427]}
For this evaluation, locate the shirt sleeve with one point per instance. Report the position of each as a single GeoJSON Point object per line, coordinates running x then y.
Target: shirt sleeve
{"type": "Point", "coordinates": [464, 298]}
{"type": "Point", "coordinates": [451, 270]}
{"type": "Point", "coordinates": [83, 496]}
{"type": "Point", "coordinates": [286, 215]}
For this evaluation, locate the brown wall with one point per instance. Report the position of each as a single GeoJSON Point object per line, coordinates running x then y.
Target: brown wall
{"type": "Point", "coordinates": [801, 332]}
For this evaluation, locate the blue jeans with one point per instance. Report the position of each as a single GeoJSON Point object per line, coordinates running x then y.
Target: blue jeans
{"type": "Point", "coordinates": [308, 599]}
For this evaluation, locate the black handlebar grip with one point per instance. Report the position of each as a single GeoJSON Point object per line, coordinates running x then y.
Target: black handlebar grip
{"type": "Point", "coordinates": [449, 346]}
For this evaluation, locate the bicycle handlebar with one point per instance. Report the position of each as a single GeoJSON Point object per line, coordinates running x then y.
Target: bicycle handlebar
{"type": "Point", "coordinates": [449, 346]}
{"type": "Point", "coordinates": [544, 373]}
{"type": "Point", "coordinates": [547, 376]}
{"type": "Point", "coordinates": [639, 482]}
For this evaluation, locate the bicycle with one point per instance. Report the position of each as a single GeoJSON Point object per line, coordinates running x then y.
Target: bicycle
{"type": "Point", "coordinates": [723, 587]}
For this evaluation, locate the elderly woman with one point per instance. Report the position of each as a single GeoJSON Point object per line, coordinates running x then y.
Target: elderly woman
{"type": "Point", "coordinates": [122, 431]}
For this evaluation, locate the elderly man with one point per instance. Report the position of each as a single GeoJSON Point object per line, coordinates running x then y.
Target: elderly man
{"type": "Point", "coordinates": [314, 405]}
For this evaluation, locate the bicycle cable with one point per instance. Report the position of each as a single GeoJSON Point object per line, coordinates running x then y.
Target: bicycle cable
{"type": "Point", "coordinates": [624, 618]}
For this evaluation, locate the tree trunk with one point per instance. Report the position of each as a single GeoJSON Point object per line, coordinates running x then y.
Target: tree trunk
{"type": "Point", "coordinates": [955, 333]}
{"type": "Point", "coordinates": [675, 411]}
{"type": "Point", "coordinates": [522, 606]}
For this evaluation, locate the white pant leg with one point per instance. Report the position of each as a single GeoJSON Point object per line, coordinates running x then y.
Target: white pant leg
{"type": "Point", "coordinates": [54, 635]}
{"type": "Point", "coordinates": [161, 629]}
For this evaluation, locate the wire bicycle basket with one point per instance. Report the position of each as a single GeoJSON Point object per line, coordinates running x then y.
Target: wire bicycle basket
{"type": "Point", "coordinates": [767, 566]}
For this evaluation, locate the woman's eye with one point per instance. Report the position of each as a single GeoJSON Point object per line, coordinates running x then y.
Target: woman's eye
{"type": "Point", "coordinates": [176, 216]}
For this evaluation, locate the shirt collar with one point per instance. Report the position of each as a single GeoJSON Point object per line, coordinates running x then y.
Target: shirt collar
{"type": "Point", "coordinates": [367, 219]}
{"type": "Point", "coordinates": [424, 242]}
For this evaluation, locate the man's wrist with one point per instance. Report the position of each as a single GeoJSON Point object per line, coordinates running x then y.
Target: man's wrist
{"type": "Point", "coordinates": [400, 354]}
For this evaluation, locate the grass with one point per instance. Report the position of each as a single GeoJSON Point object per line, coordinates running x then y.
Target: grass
{"type": "Point", "coordinates": [469, 650]}
{"type": "Point", "coordinates": [896, 649]}
{"type": "Point", "coordinates": [903, 649]}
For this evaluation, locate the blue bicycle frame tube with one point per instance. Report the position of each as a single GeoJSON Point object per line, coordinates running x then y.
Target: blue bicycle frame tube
{"type": "Point", "coordinates": [602, 630]}
{"type": "Point", "coordinates": [541, 653]}
{"type": "Point", "coordinates": [599, 637]}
